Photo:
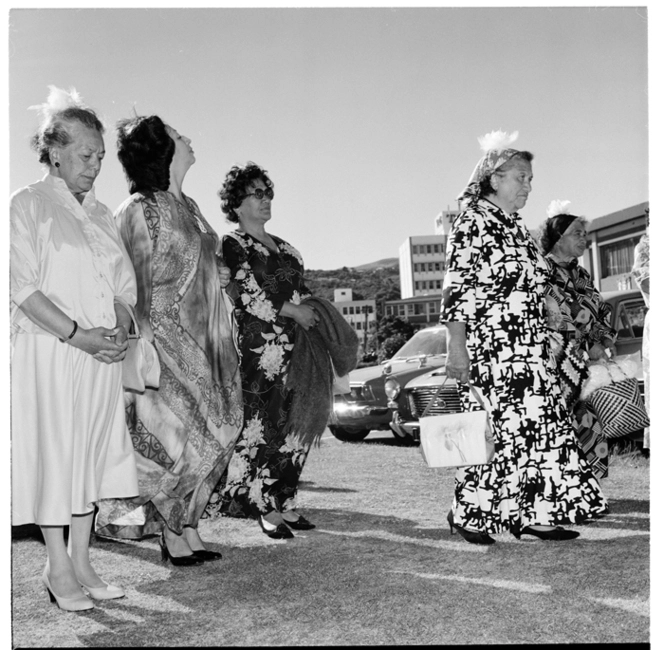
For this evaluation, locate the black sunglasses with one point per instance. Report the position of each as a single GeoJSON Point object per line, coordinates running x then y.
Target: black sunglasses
{"type": "Point", "coordinates": [259, 193]}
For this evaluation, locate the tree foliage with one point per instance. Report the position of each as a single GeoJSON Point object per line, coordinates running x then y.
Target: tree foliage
{"type": "Point", "coordinates": [378, 284]}
{"type": "Point", "coordinates": [389, 326]}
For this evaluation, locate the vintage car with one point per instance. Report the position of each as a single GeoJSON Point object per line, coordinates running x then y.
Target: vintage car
{"type": "Point", "coordinates": [365, 408]}
{"type": "Point", "coordinates": [627, 317]}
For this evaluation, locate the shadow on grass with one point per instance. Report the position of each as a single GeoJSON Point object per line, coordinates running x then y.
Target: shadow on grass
{"type": "Point", "coordinates": [310, 486]}
{"type": "Point", "coordinates": [387, 441]}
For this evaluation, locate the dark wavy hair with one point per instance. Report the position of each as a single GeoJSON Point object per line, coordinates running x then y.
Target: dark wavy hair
{"type": "Point", "coordinates": [145, 151]}
{"type": "Point", "coordinates": [485, 183]}
{"type": "Point", "coordinates": [554, 228]}
{"type": "Point", "coordinates": [54, 133]}
{"type": "Point", "coordinates": [234, 189]}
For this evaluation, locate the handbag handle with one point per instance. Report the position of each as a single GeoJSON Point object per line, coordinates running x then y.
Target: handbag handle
{"type": "Point", "coordinates": [134, 322]}
{"type": "Point", "coordinates": [440, 388]}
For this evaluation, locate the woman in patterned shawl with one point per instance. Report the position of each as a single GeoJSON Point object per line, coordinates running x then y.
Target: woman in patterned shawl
{"type": "Point", "coordinates": [583, 323]}
{"type": "Point", "coordinates": [493, 306]}
{"type": "Point", "coordinates": [185, 431]}
{"type": "Point", "coordinates": [267, 285]}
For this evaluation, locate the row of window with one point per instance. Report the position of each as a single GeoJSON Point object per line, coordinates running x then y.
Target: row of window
{"type": "Point", "coordinates": [421, 267]}
{"type": "Point", "coordinates": [427, 249]}
{"type": "Point", "coordinates": [368, 309]}
{"type": "Point", "coordinates": [413, 309]}
{"type": "Point", "coordinates": [421, 285]}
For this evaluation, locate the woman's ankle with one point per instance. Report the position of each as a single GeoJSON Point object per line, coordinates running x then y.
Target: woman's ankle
{"type": "Point", "coordinates": [273, 517]}
{"type": "Point", "coordinates": [193, 539]}
{"type": "Point", "coordinates": [176, 544]}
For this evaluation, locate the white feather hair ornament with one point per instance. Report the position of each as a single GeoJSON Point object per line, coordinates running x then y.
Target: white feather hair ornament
{"type": "Point", "coordinates": [59, 100]}
{"type": "Point", "coordinates": [497, 141]}
{"type": "Point", "coordinates": [557, 207]}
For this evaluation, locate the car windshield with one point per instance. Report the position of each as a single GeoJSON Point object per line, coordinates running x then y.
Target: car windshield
{"type": "Point", "coordinates": [426, 342]}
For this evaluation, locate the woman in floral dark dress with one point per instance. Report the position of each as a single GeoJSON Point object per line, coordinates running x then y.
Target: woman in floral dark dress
{"type": "Point", "coordinates": [493, 306]}
{"type": "Point", "coordinates": [584, 322]}
{"type": "Point", "coordinates": [267, 284]}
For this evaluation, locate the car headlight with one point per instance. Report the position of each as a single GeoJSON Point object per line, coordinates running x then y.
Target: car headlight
{"type": "Point", "coordinates": [392, 388]}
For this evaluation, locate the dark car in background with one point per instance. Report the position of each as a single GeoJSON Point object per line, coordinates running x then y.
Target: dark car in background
{"type": "Point", "coordinates": [365, 408]}
{"type": "Point", "coordinates": [628, 311]}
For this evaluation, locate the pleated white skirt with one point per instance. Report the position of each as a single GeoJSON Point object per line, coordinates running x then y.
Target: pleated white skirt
{"type": "Point", "coordinates": [70, 444]}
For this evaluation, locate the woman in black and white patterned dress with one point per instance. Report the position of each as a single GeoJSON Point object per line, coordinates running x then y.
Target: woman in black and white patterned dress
{"type": "Point", "coordinates": [493, 307]}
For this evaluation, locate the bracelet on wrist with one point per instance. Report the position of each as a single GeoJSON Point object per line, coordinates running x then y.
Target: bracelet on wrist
{"type": "Point", "coordinates": [71, 336]}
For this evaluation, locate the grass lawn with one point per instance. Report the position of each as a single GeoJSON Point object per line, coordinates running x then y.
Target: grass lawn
{"type": "Point", "coordinates": [380, 568]}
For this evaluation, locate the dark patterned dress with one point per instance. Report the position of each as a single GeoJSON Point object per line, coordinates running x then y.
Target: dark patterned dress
{"type": "Point", "coordinates": [265, 469]}
{"type": "Point", "coordinates": [585, 319]}
{"type": "Point", "coordinates": [185, 431]}
{"type": "Point", "coordinates": [495, 285]}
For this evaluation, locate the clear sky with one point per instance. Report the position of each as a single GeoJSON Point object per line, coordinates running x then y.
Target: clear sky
{"type": "Point", "coordinates": [366, 119]}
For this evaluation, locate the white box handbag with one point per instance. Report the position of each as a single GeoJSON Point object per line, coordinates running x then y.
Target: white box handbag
{"type": "Point", "coordinates": [456, 439]}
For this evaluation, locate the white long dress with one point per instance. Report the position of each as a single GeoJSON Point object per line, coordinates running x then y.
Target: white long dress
{"type": "Point", "coordinates": [70, 444]}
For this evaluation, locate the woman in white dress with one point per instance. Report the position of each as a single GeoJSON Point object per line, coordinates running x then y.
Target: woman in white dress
{"type": "Point", "coordinates": [69, 274]}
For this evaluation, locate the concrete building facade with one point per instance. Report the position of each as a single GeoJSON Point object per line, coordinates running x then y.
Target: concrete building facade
{"type": "Point", "coordinates": [420, 311]}
{"type": "Point", "coordinates": [609, 255]}
{"type": "Point", "coordinates": [359, 314]}
{"type": "Point", "coordinates": [422, 265]}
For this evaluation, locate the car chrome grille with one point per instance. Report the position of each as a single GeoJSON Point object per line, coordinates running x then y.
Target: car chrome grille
{"type": "Point", "coordinates": [447, 401]}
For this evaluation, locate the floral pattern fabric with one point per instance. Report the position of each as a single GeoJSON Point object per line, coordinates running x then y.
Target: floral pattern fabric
{"type": "Point", "coordinates": [583, 319]}
{"type": "Point", "coordinates": [185, 431]}
{"type": "Point", "coordinates": [265, 469]}
{"type": "Point", "coordinates": [495, 284]}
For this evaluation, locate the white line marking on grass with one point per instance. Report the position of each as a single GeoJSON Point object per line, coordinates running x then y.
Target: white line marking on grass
{"type": "Point", "coordinates": [597, 533]}
{"type": "Point", "coordinates": [624, 515]}
{"type": "Point", "coordinates": [528, 587]}
{"type": "Point", "coordinates": [401, 539]}
{"type": "Point", "coordinates": [640, 607]}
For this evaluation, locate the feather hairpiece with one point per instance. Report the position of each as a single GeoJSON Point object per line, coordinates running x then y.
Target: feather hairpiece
{"type": "Point", "coordinates": [497, 141]}
{"type": "Point", "coordinates": [557, 207]}
{"type": "Point", "coordinates": [58, 100]}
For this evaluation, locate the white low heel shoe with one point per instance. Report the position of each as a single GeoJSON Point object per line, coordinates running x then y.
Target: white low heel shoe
{"type": "Point", "coordinates": [79, 604]}
{"type": "Point", "coordinates": [107, 592]}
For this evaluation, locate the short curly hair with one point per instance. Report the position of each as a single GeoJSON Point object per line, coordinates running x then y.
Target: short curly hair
{"type": "Point", "coordinates": [554, 228]}
{"type": "Point", "coordinates": [54, 132]}
{"type": "Point", "coordinates": [234, 189]}
{"type": "Point", "coordinates": [145, 150]}
{"type": "Point", "coordinates": [485, 183]}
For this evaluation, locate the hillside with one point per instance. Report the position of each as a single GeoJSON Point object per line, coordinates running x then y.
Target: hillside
{"type": "Point", "coordinates": [388, 262]}
{"type": "Point", "coordinates": [378, 280]}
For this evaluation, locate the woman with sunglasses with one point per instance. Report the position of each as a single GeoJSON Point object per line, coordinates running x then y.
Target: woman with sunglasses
{"type": "Point", "coordinates": [267, 284]}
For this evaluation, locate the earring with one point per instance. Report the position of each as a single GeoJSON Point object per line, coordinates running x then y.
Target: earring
{"type": "Point", "coordinates": [57, 164]}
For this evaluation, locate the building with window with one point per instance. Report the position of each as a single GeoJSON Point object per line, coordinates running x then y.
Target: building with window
{"type": "Point", "coordinates": [421, 311]}
{"type": "Point", "coordinates": [359, 314]}
{"type": "Point", "coordinates": [609, 256]}
{"type": "Point", "coordinates": [422, 265]}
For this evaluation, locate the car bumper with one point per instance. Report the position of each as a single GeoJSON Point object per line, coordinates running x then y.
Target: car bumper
{"type": "Point", "coordinates": [361, 415]}
{"type": "Point", "coordinates": [404, 428]}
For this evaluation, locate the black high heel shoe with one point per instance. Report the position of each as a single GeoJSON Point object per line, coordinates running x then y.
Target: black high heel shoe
{"type": "Point", "coordinates": [300, 524]}
{"type": "Point", "coordinates": [182, 560]}
{"type": "Point", "coordinates": [207, 556]}
{"type": "Point", "coordinates": [274, 532]}
{"type": "Point", "coordinates": [557, 534]}
{"type": "Point", "coordinates": [469, 536]}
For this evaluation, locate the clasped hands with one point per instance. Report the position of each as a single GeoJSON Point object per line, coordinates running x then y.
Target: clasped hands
{"type": "Point", "coordinates": [104, 344]}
